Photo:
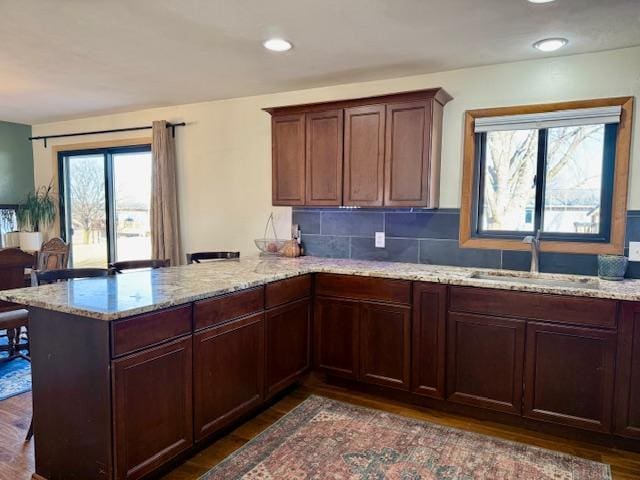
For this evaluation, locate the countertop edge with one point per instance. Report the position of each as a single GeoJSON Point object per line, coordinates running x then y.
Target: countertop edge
{"type": "Point", "coordinates": [454, 276]}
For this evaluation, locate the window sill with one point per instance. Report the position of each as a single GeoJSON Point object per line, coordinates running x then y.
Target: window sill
{"type": "Point", "coordinates": [545, 246]}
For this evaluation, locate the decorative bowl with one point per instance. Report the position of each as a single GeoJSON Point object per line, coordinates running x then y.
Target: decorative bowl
{"type": "Point", "coordinates": [270, 246]}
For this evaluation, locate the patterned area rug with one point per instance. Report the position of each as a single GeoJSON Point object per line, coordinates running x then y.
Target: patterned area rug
{"type": "Point", "coordinates": [326, 439]}
{"type": "Point", "coordinates": [15, 376]}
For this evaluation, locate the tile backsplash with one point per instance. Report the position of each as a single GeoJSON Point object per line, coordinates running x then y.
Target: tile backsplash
{"type": "Point", "coordinates": [427, 236]}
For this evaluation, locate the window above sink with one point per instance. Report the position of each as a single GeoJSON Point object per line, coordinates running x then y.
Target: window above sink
{"type": "Point", "coordinates": [561, 169]}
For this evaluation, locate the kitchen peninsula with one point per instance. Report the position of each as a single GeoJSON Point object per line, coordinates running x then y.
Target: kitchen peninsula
{"type": "Point", "coordinates": [162, 360]}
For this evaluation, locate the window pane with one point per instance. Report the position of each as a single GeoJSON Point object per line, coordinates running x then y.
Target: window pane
{"type": "Point", "coordinates": [509, 193]}
{"type": "Point", "coordinates": [132, 190]}
{"type": "Point", "coordinates": [573, 180]}
{"type": "Point", "coordinates": [85, 211]}
{"type": "Point", "coordinates": [8, 223]}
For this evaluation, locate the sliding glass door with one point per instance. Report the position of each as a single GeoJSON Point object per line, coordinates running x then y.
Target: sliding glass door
{"type": "Point", "coordinates": [106, 195]}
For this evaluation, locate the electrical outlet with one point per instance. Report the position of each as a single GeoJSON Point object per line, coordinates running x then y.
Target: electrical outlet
{"type": "Point", "coordinates": [379, 239]}
{"type": "Point", "coordinates": [634, 251]}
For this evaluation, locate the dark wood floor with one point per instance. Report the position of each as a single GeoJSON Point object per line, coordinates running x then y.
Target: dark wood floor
{"type": "Point", "coordinates": [16, 457]}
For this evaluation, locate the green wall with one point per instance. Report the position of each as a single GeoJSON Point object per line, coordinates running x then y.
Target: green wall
{"type": "Point", "coordinates": [16, 162]}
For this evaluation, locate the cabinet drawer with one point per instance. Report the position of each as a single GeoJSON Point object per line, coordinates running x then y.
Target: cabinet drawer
{"type": "Point", "coordinates": [595, 312]}
{"type": "Point", "coordinates": [285, 291]}
{"type": "Point", "coordinates": [365, 288]}
{"type": "Point", "coordinates": [227, 307]}
{"type": "Point", "coordinates": [149, 329]}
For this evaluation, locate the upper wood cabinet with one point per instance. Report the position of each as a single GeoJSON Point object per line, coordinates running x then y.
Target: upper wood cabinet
{"type": "Point", "coordinates": [324, 158]}
{"type": "Point", "coordinates": [374, 152]}
{"type": "Point", "coordinates": [288, 164]}
{"type": "Point", "coordinates": [364, 155]}
{"type": "Point", "coordinates": [407, 176]}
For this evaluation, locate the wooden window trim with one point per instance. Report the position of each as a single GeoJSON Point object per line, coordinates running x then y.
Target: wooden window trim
{"type": "Point", "coordinates": [620, 182]}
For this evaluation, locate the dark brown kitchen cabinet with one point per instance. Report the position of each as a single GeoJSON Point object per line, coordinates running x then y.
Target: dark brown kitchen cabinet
{"type": "Point", "coordinates": [324, 158]}
{"type": "Point", "coordinates": [228, 372]}
{"type": "Point", "coordinates": [376, 151]}
{"type": "Point", "coordinates": [627, 389]}
{"type": "Point", "coordinates": [363, 328]}
{"type": "Point", "coordinates": [336, 336]}
{"type": "Point", "coordinates": [484, 361]}
{"type": "Point", "coordinates": [288, 159]}
{"type": "Point", "coordinates": [364, 129]}
{"type": "Point", "coordinates": [428, 347]}
{"type": "Point", "coordinates": [385, 343]}
{"type": "Point", "coordinates": [288, 349]}
{"type": "Point", "coordinates": [152, 407]}
{"type": "Point", "coordinates": [407, 156]}
{"type": "Point", "coordinates": [569, 375]}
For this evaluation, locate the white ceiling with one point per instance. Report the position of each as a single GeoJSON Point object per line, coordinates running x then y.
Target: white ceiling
{"type": "Point", "coordinates": [64, 59]}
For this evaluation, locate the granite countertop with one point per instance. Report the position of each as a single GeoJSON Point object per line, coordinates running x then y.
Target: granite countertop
{"type": "Point", "coordinates": [138, 292]}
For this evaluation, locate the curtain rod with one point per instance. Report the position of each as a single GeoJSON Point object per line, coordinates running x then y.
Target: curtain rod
{"type": "Point", "coordinates": [172, 126]}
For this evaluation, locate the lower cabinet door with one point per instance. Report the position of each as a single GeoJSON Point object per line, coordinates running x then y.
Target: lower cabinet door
{"type": "Point", "coordinates": [569, 375]}
{"type": "Point", "coordinates": [228, 372]}
{"type": "Point", "coordinates": [385, 338]}
{"type": "Point", "coordinates": [485, 360]}
{"type": "Point", "coordinates": [152, 407]}
{"type": "Point", "coordinates": [428, 337]}
{"type": "Point", "coordinates": [288, 337]}
{"type": "Point", "coordinates": [627, 393]}
{"type": "Point", "coordinates": [336, 333]}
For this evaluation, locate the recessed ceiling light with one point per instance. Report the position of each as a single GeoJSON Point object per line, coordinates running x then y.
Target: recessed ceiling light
{"type": "Point", "coordinates": [541, 1]}
{"type": "Point", "coordinates": [277, 45]}
{"type": "Point", "coordinates": [550, 44]}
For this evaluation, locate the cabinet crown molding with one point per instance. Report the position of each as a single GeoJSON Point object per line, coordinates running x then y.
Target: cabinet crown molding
{"type": "Point", "coordinates": [439, 94]}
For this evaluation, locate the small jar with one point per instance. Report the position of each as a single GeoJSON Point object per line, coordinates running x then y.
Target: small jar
{"type": "Point", "coordinates": [612, 267]}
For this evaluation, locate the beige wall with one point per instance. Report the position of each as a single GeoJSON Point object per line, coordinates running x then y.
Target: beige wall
{"type": "Point", "coordinates": [224, 163]}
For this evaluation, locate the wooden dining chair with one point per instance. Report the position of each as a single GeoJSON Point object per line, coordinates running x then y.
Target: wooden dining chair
{"type": "Point", "coordinates": [13, 318]}
{"type": "Point", "coordinates": [53, 255]}
{"type": "Point", "coordinates": [119, 267]}
{"type": "Point", "coordinates": [53, 276]}
{"type": "Point", "coordinates": [197, 257]}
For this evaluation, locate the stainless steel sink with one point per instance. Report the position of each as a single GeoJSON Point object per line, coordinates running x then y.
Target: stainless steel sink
{"type": "Point", "coordinates": [578, 282]}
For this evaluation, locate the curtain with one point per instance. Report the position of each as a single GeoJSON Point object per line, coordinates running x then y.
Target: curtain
{"type": "Point", "coordinates": [165, 234]}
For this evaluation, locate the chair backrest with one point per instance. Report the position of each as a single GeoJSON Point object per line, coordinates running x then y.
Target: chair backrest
{"type": "Point", "coordinates": [119, 267]}
{"type": "Point", "coordinates": [52, 276]}
{"type": "Point", "coordinates": [13, 261]}
{"type": "Point", "coordinates": [53, 255]}
{"type": "Point", "coordinates": [197, 257]}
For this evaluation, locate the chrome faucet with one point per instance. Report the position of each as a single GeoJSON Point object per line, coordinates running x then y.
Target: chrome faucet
{"type": "Point", "coordinates": [535, 250]}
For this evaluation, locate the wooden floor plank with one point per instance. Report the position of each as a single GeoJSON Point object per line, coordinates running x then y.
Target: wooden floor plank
{"type": "Point", "coordinates": [16, 456]}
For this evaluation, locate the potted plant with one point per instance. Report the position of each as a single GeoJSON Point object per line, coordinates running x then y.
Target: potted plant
{"type": "Point", "coordinates": [36, 214]}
